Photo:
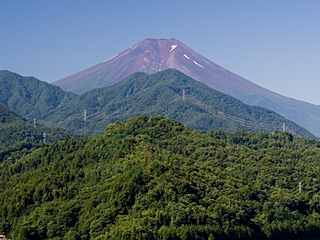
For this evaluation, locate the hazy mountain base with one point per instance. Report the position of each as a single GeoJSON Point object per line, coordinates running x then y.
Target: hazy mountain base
{"type": "Point", "coordinates": [302, 113]}
{"type": "Point", "coordinates": [152, 178]}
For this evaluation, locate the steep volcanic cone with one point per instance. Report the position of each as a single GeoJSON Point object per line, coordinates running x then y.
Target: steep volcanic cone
{"type": "Point", "coordinates": [153, 55]}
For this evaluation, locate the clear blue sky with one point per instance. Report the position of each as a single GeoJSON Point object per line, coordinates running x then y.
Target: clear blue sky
{"type": "Point", "coordinates": [274, 43]}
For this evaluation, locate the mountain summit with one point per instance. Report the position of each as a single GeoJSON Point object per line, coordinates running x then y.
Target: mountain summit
{"type": "Point", "coordinates": [153, 55]}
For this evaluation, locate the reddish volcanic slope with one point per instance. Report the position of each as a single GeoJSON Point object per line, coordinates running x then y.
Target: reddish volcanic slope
{"type": "Point", "coordinates": [152, 55]}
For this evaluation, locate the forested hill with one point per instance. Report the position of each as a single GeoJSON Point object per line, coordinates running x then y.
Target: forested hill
{"type": "Point", "coordinates": [169, 93]}
{"type": "Point", "coordinates": [30, 97]}
{"type": "Point", "coordinates": [14, 129]}
{"type": "Point", "coordinates": [172, 94]}
{"type": "Point", "coordinates": [153, 178]}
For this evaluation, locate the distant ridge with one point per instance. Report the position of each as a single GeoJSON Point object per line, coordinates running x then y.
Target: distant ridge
{"type": "Point", "coordinates": [153, 55]}
{"type": "Point", "coordinates": [172, 94]}
{"type": "Point", "coordinates": [169, 93]}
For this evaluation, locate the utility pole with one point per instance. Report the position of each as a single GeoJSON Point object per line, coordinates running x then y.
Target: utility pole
{"type": "Point", "coordinates": [300, 187]}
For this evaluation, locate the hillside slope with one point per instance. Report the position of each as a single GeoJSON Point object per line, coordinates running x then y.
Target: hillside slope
{"type": "Point", "coordinates": [153, 178]}
{"type": "Point", "coordinates": [172, 94]}
{"type": "Point", "coordinates": [14, 129]}
{"type": "Point", "coordinates": [30, 97]}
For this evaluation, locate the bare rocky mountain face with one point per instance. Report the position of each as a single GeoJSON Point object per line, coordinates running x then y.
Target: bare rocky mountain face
{"type": "Point", "coordinates": [153, 55]}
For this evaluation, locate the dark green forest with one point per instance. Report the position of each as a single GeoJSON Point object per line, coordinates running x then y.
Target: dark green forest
{"type": "Point", "coordinates": [153, 178]}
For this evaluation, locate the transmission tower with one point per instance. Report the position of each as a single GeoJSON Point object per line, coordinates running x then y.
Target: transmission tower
{"type": "Point", "coordinates": [283, 127]}
{"type": "Point", "coordinates": [34, 122]}
{"type": "Point", "coordinates": [183, 94]}
{"type": "Point", "coordinates": [85, 114]}
{"type": "Point", "coordinates": [44, 138]}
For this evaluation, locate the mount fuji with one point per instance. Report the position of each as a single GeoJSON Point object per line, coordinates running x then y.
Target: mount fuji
{"type": "Point", "coordinates": [154, 55]}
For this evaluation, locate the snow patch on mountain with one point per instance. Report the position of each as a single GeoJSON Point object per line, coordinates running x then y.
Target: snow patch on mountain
{"type": "Point", "coordinates": [173, 47]}
{"type": "Point", "coordinates": [111, 58]}
{"type": "Point", "coordinates": [186, 56]}
{"type": "Point", "coordinates": [198, 64]}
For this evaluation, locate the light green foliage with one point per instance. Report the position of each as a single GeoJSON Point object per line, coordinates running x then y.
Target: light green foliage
{"type": "Point", "coordinates": [153, 178]}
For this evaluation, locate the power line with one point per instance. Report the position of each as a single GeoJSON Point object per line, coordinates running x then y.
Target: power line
{"type": "Point", "coordinates": [247, 123]}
